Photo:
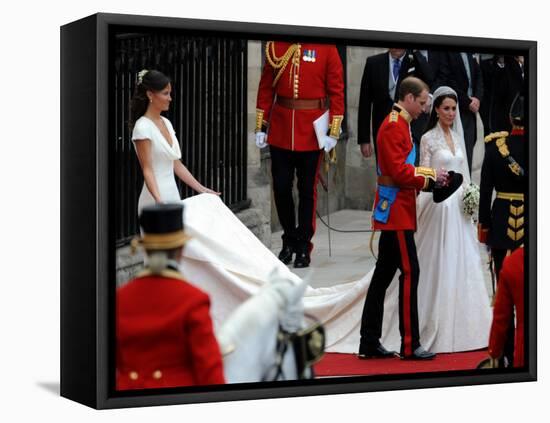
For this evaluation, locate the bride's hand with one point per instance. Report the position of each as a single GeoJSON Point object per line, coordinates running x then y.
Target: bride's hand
{"type": "Point", "coordinates": [441, 178]}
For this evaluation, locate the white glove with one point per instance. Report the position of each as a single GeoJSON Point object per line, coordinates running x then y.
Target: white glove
{"type": "Point", "coordinates": [261, 139]}
{"type": "Point", "coordinates": [328, 143]}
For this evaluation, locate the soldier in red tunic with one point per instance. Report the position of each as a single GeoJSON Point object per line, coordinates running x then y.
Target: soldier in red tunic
{"type": "Point", "coordinates": [164, 335]}
{"type": "Point", "coordinates": [395, 216]}
{"type": "Point", "coordinates": [509, 296]}
{"type": "Point", "coordinates": [299, 83]}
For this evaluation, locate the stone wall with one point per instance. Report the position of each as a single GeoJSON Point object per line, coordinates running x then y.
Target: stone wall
{"type": "Point", "coordinates": [259, 189]}
{"type": "Point", "coordinates": [360, 173]}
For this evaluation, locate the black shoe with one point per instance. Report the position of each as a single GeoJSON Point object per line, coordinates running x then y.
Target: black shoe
{"type": "Point", "coordinates": [419, 354]}
{"type": "Point", "coordinates": [377, 352]}
{"type": "Point", "coordinates": [302, 260]}
{"type": "Point", "coordinates": [286, 254]}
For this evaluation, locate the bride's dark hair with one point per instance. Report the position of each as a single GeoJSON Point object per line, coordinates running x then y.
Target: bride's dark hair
{"type": "Point", "coordinates": [151, 80]}
{"type": "Point", "coordinates": [433, 116]}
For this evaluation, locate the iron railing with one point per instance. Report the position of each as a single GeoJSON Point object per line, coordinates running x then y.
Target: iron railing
{"type": "Point", "coordinates": [208, 112]}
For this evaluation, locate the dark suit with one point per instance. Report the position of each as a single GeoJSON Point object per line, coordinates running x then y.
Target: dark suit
{"type": "Point", "coordinates": [435, 59]}
{"type": "Point", "coordinates": [375, 102]}
{"type": "Point", "coordinates": [454, 73]}
{"type": "Point", "coordinates": [435, 79]}
{"type": "Point", "coordinates": [501, 85]}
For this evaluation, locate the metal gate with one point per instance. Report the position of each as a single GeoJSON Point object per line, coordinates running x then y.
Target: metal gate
{"type": "Point", "coordinates": [208, 112]}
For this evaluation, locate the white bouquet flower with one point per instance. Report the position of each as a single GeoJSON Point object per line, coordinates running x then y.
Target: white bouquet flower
{"type": "Point", "coordinates": [470, 200]}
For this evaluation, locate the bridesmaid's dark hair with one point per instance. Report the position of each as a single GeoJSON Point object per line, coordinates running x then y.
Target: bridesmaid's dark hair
{"type": "Point", "coordinates": [151, 80]}
{"type": "Point", "coordinates": [433, 116]}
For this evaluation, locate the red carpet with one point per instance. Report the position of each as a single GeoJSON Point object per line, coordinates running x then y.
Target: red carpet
{"type": "Point", "coordinates": [335, 364]}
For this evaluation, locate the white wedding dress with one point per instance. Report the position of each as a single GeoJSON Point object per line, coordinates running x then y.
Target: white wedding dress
{"type": "Point", "coordinates": [453, 302]}
{"type": "Point", "coordinates": [162, 159]}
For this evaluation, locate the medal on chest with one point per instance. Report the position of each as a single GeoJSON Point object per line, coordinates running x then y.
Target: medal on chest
{"type": "Point", "coordinates": [309, 56]}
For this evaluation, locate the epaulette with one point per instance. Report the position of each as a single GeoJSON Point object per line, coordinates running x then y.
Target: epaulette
{"type": "Point", "coordinates": [394, 116]}
{"type": "Point", "coordinates": [496, 135]}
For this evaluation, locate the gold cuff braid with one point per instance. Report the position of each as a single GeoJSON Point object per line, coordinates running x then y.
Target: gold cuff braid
{"type": "Point", "coordinates": [335, 126]}
{"type": "Point", "coordinates": [259, 119]}
{"type": "Point", "coordinates": [427, 172]}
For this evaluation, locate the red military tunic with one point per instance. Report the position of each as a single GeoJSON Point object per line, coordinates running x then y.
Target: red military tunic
{"type": "Point", "coordinates": [394, 143]}
{"type": "Point", "coordinates": [510, 294]}
{"type": "Point", "coordinates": [301, 78]}
{"type": "Point", "coordinates": [164, 335]}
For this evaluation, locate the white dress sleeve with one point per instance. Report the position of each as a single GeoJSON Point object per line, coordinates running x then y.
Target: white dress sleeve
{"type": "Point", "coordinates": [425, 151]}
{"type": "Point", "coordinates": [142, 130]}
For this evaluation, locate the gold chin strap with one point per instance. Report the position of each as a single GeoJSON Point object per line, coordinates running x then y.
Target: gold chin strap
{"type": "Point", "coordinates": [165, 241]}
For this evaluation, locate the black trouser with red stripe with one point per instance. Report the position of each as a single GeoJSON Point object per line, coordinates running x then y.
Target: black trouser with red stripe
{"type": "Point", "coordinates": [396, 250]}
{"type": "Point", "coordinates": [305, 165]}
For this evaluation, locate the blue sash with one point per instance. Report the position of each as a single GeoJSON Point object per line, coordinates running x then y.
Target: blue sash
{"type": "Point", "coordinates": [387, 195]}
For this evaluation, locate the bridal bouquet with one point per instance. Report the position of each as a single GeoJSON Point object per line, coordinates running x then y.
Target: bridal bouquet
{"type": "Point", "coordinates": [470, 199]}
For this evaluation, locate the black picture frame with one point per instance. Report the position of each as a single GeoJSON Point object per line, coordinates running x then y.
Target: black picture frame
{"type": "Point", "coordinates": [87, 272]}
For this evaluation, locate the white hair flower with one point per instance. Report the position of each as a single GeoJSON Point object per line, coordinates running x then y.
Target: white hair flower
{"type": "Point", "coordinates": [141, 74]}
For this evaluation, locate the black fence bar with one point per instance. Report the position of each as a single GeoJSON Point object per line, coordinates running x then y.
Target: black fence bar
{"type": "Point", "coordinates": [208, 112]}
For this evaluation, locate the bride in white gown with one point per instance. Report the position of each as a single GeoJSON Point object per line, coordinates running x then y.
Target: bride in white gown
{"type": "Point", "coordinates": [228, 262]}
{"type": "Point", "coordinates": [454, 307]}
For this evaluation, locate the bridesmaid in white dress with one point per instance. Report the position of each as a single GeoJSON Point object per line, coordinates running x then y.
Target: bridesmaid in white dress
{"type": "Point", "coordinates": [155, 142]}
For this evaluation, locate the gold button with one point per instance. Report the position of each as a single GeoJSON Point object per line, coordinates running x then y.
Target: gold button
{"type": "Point", "coordinates": [134, 375]}
{"type": "Point", "coordinates": [157, 374]}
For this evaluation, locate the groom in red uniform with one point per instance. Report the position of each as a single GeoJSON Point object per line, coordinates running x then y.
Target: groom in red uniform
{"type": "Point", "coordinates": [299, 83]}
{"type": "Point", "coordinates": [395, 216]}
